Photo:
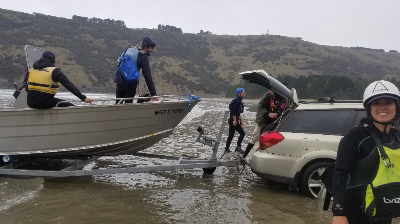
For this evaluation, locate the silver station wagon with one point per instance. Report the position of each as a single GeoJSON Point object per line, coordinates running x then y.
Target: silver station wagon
{"type": "Point", "coordinates": [304, 140]}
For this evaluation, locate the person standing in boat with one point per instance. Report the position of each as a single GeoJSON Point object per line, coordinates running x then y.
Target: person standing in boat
{"type": "Point", "coordinates": [235, 121]}
{"type": "Point", "coordinates": [124, 89]}
{"type": "Point", "coordinates": [44, 81]}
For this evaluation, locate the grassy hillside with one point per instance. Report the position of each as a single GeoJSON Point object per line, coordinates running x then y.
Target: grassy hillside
{"type": "Point", "coordinates": [202, 64]}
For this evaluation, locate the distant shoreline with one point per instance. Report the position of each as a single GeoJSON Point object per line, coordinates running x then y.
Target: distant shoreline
{"type": "Point", "coordinates": [227, 100]}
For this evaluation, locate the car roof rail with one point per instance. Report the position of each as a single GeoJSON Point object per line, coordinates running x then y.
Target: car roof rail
{"type": "Point", "coordinates": [324, 100]}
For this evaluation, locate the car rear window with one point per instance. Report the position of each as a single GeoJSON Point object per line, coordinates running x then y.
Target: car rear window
{"type": "Point", "coordinates": [334, 122]}
{"type": "Point", "coordinates": [360, 115]}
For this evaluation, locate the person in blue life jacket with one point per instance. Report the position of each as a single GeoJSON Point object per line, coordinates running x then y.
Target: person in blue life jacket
{"type": "Point", "coordinates": [44, 81]}
{"type": "Point", "coordinates": [366, 176]}
{"type": "Point", "coordinates": [235, 121]}
{"type": "Point", "coordinates": [124, 89]}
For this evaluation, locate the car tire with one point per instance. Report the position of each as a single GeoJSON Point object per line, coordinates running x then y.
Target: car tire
{"type": "Point", "coordinates": [311, 184]}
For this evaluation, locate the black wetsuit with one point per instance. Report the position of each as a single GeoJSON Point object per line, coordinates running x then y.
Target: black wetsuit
{"type": "Point", "coordinates": [357, 145]}
{"type": "Point", "coordinates": [41, 100]}
{"type": "Point", "coordinates": [236, 108]}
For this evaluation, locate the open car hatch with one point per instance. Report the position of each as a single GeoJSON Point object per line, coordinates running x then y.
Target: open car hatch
{"type": "Point", "coordinates": [262, 78]}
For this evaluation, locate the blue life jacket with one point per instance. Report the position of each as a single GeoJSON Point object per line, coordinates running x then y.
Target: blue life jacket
{"type": "Point", "coordinates": [127, 65]}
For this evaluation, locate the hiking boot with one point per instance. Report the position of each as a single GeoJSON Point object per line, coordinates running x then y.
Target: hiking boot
{"type": "Point", "coordinates": [248, 149]}
{"type": "Point", "coordinates": [228, 150]}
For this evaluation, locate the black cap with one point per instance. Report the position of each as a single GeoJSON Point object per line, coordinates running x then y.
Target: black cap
{"type": "Point", "coordinates": [148, 42]}
{"type": "Point", "coordinates": [48, 54]}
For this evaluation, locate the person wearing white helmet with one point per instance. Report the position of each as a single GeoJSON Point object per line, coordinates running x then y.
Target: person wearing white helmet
{"type": "Point", "coordinates": [366, 178]}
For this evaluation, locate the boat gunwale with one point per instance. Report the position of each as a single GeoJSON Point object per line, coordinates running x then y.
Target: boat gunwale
{"type": "Point", "coordinates": [82, 106]}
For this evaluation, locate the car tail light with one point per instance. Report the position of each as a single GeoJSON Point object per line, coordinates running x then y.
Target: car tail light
{"type": "Point", "coordinates": [269, 139]}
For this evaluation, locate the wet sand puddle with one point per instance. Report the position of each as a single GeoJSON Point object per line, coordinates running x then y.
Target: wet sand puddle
{"type": "Point", "coordinates": [230, 195]}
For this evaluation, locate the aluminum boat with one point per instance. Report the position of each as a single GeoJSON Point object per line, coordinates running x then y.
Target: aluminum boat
{"type": "Point", "coordinates": [104, 128]}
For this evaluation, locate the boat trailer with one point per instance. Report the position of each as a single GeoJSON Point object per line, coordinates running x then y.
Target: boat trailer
{"type": "Point", "coordinates": [28, 168]}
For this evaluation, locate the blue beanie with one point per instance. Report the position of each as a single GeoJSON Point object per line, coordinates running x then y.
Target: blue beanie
{"type": "Point", "coordinates": [239, 90]}
{"type": "Point", "coordinates": [148, 42]}
{"type": "Point", "coordinates": [47, 54]}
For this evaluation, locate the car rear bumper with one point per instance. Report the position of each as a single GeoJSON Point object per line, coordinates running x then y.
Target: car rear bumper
{"type": "Point", "coordinates": [279, 179]}
{"type": "Point", "coordinates": [273, 167]}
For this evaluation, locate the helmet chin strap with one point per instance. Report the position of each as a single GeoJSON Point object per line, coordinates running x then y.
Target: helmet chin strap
{"type": "Point", "coordinates": [383, 123]}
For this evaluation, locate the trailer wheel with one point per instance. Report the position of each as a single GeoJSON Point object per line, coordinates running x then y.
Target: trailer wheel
{"type": "Point", "coordinates": [209, 170]}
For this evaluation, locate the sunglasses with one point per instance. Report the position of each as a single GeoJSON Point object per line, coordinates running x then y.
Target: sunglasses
{"type": "Point", "coordinates": [51, 57]}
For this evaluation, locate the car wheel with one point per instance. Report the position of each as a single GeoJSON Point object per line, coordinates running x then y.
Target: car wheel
{"type": "Point", "coordinates": [311, 184]}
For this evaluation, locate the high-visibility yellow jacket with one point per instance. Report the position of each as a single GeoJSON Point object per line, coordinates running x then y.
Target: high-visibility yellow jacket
{"type": "Point", "coordinates": [382, 197]}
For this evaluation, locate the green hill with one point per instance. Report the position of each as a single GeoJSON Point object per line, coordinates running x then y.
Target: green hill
{"type": "Point", "coordinates": [202, 64]}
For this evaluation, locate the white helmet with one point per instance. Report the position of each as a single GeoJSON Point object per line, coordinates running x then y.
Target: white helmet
{"type": "Point", "coordinates": [379, 89]}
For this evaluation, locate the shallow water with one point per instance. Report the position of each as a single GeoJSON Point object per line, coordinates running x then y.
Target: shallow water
{"type": "Point", "coordinates": [230, 195]}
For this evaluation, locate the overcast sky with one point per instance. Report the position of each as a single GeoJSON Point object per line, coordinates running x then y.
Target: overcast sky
{"type": "Point", "coordinates": [365, 23]}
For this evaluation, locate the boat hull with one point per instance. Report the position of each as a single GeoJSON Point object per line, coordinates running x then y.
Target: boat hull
{"type": "Point", "coordinates": [89, 130]}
